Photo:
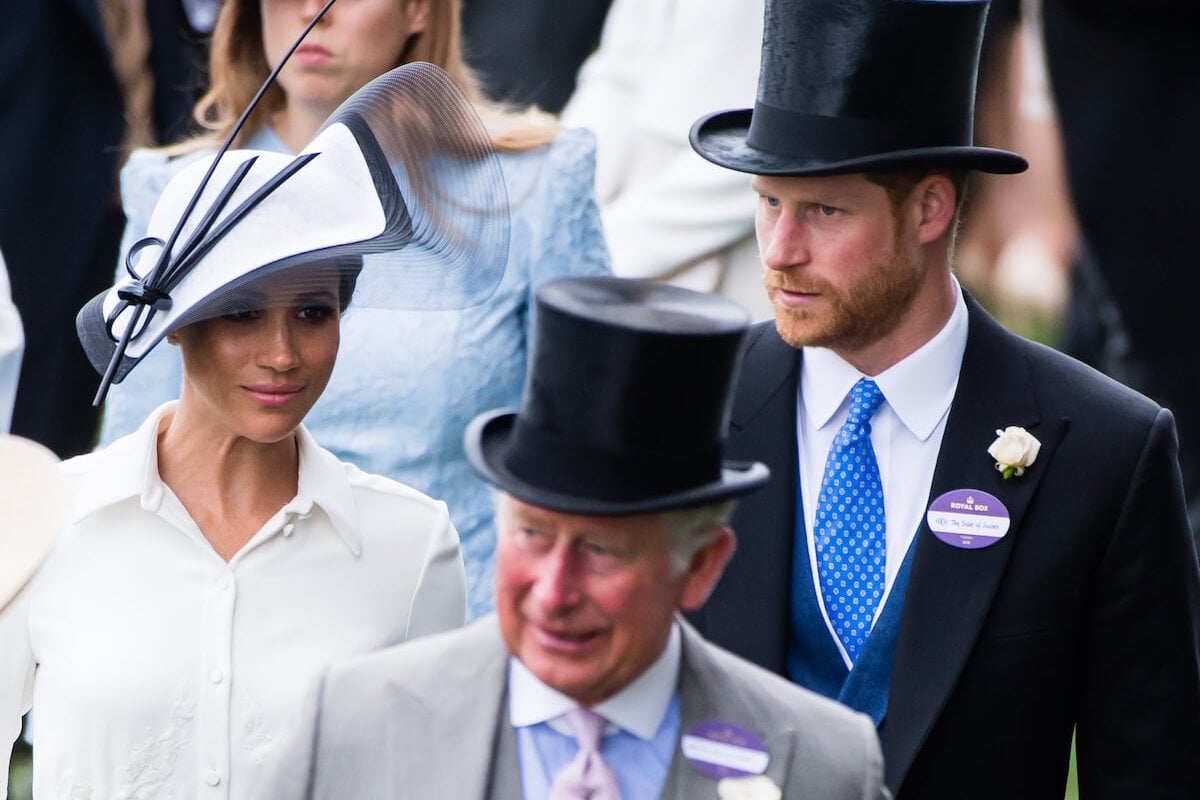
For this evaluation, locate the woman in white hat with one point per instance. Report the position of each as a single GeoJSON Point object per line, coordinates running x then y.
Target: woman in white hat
{"type": "Point", "coordinates": [217, 559]}
{"type": "Point", "coordinates": [405, 386]}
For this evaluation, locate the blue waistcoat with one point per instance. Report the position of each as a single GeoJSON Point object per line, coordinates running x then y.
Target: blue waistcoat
{"type": "Point", "coordinates": [814, 661]}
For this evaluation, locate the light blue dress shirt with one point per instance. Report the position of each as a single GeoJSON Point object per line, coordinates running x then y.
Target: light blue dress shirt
{"type": "Point", "coordinates": [640, 766]}
{"type": "Point", "coordinates": [407, 383]}
{"type": "Point", "coordinates": [638, 743]}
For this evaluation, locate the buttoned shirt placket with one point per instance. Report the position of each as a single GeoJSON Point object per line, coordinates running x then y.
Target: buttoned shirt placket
{"type": "Point", "coordinates": [214, 713]}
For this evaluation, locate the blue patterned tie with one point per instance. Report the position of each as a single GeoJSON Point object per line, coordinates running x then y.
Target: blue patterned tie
{"type": "Point", "coordinates": [850, 524]}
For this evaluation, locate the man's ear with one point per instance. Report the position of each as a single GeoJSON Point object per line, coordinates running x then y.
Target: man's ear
{"type": "Point", "coordinates": [706, 566]}
{"type": "Point", "coordinates": [933, 199]}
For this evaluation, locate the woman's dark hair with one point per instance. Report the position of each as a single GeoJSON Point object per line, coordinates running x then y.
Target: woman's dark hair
{"type": "Point", "coordinates": [349, 268]}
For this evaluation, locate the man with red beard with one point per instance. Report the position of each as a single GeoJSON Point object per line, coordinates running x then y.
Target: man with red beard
{"type": "Point", "coordinates": [975, 540]}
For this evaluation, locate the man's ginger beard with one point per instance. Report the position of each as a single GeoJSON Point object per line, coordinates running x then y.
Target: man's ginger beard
{"type": "Point", "coordinates": [847, 320]}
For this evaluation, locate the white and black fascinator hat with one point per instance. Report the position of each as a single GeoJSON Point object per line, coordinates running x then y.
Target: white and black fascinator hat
{"type": "Point", "coordinates": [399, 199]}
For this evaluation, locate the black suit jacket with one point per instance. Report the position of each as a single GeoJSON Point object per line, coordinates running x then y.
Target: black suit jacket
{"type": "Point", "coordinates": [1085, 614]}
{"type": "Point", "coordinates": [61, 123]}
{"type": "Point", "coordinates": [1130, 124]}
{"type": "Point", "coordinates": [529, 51]}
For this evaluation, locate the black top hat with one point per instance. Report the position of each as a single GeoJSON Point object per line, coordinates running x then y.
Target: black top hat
{"type": "Point", "coordinates": [626, 403]}
{"type": "Point", "coordinates": [859, 85]}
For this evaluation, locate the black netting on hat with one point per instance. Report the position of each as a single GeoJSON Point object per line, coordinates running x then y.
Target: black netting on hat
{"type": "Point", "coordinates": [398, 202]}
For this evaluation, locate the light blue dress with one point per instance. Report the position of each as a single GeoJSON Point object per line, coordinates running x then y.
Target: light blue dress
{"type": "Point", "coordinates": [407, 383]}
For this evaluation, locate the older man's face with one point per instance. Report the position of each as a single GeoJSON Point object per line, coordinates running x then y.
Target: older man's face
{"type": "Point", "coordinates": [586, 603]}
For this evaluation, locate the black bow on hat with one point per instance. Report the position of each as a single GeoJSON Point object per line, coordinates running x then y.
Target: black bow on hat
{"type": "Point", "coordinates": [858, 85]}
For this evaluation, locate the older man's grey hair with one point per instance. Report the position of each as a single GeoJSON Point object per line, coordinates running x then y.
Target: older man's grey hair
{"type": "Point", "coordinates": [688, 529]}
{"type": "Point", "coordinates": [692, 528]}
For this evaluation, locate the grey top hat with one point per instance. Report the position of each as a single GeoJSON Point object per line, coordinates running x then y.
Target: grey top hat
{"type": "Point", "coordinates": [859, 85]}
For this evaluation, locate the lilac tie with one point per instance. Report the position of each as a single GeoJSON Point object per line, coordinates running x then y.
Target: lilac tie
{"type": "Point", "coordinates": [588, 776]}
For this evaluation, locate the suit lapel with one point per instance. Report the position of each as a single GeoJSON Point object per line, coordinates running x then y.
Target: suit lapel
{"type": "Point", "coordinates": [468, 708]}
{"type": "Point", "coordinates": [505, 781]}
{"type": "Point", "coordinates": [762, 427]}
{"type": "Point", "coordinates": [706, 692]}
{"type": "Point", "coordinates": [950, 589]}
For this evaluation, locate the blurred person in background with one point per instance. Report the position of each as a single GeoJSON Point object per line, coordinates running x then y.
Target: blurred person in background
{"type": "Point", "coordinates": [406, 385]}
{"type": "Point", "coordinates": [1019, 231]}
{"type": "Point", "coordinates": [668, 214]}
{"type": "Point", "coordinates": [61, 130]}
{"type": "Point", "coordinates": [1122, 74]}
{"type": "Point", "coordinates": [118, 74]}
{"type": "Point", "coordinates": [527, 52]}
{"type": "Point", "coordinates": [178, 33]}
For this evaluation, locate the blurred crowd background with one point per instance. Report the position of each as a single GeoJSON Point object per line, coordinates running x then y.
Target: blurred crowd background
{"type": "Point", "coordinates": [1086, 252]}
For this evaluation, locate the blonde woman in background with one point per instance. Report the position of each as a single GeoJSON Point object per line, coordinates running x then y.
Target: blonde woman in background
{"type": "Point", "coordinates": [405, 385]}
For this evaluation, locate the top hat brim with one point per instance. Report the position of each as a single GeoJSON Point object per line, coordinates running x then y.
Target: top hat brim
{"type": "Point", "coordinates": [487, 440]}
{"type": "Point", "coordinates": [720, 137]}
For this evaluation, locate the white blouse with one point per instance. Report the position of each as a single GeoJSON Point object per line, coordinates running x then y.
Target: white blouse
{"type": "Point", "coordinates": [158, 670]}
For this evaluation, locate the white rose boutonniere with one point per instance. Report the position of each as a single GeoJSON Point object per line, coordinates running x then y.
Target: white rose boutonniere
{"type": "Point", "coordinates": [1014, 449]}
{"type": "Point", "coordinates": [750, 787]}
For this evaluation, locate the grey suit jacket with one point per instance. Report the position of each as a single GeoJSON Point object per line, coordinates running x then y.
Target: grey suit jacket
{"type": "Point", "coordinates": [429, 720]}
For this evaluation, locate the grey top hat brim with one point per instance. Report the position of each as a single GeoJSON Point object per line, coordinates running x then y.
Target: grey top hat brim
{"type": "Point", "coordinates": [720, 137]}
{"type": "Point", "coordinates": [486, 440]}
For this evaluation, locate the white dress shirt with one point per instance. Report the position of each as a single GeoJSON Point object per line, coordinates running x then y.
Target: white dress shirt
{"type": "Point", "coordinates": [906, 432]}
{"type": "Point", "coordinates": [158, 670]}
{"type": "Point", "coordinates": [638, 708]}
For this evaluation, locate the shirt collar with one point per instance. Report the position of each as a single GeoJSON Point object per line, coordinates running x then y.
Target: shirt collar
{"type": "Point", "coordinates": [323, 482]}
{"type": "Point", "coordinates": [638, 708]}
{"type": "Point", "coordinates": [131, 470]}
{"type": "Point", "coordinates": [919, 388]}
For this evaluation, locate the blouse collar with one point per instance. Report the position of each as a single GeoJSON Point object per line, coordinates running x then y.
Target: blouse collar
{"type": "Point", "coordinates": [132, 471]}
